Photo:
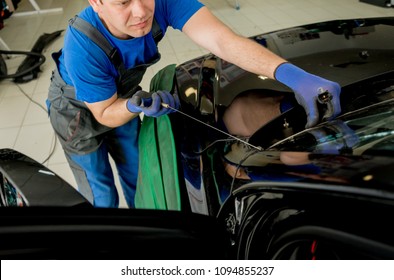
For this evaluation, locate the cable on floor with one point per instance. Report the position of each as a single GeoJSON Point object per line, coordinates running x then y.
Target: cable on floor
{"type": "Point", "coordinates": [54, 142]}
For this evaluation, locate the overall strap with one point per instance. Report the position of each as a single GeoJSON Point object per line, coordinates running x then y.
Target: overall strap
{"type": "Point", "coordinates": [93, 34]}
{"type": "Point", "coordinates": [156, 32]}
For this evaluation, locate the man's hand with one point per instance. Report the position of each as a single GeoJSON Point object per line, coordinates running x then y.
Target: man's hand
{"type": "Point", "coordinates": [150, 103]}
{"type": "Point", "coordinates": [307, 88]}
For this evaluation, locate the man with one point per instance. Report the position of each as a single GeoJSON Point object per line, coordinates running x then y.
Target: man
{"type": "Point", "coordinates": [94, 96]}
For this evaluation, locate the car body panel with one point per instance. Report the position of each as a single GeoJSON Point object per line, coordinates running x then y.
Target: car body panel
{"type": "Point", "coordinates": [25, 182]}
{"type": "Point", "coordinates": [100, 234]}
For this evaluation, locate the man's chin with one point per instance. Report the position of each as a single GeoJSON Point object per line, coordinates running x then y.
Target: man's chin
{"type": "Point", "coordinates": [140, 32]}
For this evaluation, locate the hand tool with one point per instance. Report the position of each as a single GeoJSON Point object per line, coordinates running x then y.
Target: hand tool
{"type": "Point", "coordinates": [325, 106]}
{"type": "Point", "coordinates": [165, 105]}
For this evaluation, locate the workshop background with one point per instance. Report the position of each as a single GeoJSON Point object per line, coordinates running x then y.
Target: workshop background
{"type": "Point", "coordinates": [24, 124]}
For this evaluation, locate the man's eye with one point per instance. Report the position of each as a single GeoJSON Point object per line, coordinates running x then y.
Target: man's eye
{"type": "Point", "coordinates": [123, 3]}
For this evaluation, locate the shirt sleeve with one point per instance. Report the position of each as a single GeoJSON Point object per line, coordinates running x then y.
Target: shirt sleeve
{"type": "Point", "coordinates": [89, 69]}
{"type": "Point", "coordinates": [178, 12]}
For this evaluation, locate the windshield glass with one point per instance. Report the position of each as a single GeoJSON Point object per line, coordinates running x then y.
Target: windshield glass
{"type": "Point", "coordinates": [369, 130]}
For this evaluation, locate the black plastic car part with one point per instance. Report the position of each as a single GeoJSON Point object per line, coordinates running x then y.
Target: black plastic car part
{"type": "Point", "coordinates": [25, 182]}
{"type": "Point", "coordinates": [285, 125]}
{"type": "Point", "coordinates": [314, 242]}
{"type": "Point", "coordinates": [308, 221]}
{"type": "Point", "coordinates": [30, 66]}
{"type": "Point", "coordinates": [27, 71]}
{"type": "Point", "coordinates": [83, 233]}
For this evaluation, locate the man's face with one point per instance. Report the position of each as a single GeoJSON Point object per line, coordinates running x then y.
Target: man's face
{"type": "Point", "coordinates": [125, 18]}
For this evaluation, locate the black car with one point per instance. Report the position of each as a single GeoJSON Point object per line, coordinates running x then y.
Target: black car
{"type": "Point", "coordinates": [285, 192]}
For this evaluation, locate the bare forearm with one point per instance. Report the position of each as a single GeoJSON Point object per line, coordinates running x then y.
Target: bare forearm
{"type": "Point", "coordinates": [252, 56]}
{"type": "Point", "coordinates": [209, 32]}
{"type": "Point", "coordinates": [111, 114]}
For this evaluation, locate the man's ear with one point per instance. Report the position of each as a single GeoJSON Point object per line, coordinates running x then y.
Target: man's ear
{"type": "Point", "coordinates": [95, 4]}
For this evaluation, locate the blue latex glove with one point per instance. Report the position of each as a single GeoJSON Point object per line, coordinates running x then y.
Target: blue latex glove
{"type": "Point", "coordinates": [307, 88]}
{"type": "Point", "coordinates": [150, 103]}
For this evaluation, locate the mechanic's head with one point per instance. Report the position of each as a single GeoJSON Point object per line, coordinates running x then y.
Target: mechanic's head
{"type": "Point", "coordinates": [125, 18]}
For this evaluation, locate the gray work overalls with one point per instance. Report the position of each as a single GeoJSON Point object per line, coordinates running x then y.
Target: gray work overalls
{"type": "Point", "coordinates": [85, 141]}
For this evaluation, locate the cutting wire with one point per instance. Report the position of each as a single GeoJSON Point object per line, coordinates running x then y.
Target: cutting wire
{"type": "Point", "coordinates": [165, 105]}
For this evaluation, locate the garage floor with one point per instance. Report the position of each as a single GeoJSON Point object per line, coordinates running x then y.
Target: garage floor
{"type": "Point", "coordinates": [24, 125]}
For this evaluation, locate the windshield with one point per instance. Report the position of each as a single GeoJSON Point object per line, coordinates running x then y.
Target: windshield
{"type": "Point", "coordinates": [368, 130]}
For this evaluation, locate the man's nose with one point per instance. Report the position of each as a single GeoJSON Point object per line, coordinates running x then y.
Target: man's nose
{"type": "Point", "coordinates": [138, 9]}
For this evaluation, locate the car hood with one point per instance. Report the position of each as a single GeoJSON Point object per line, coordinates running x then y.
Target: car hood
{"type": "Point", "coordinates": [346, 51]}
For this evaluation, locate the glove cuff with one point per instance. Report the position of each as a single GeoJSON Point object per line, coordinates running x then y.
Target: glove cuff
{"type": "Point", "coordinates": [132, 108]}
{"type": "Point", "coordinates": [289, 74]}
{"type": "Point", "coordinates": [277, 68]}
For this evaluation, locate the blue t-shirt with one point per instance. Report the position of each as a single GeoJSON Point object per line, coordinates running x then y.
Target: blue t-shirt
{"type": "Point", "coordinates": [86, 67]}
